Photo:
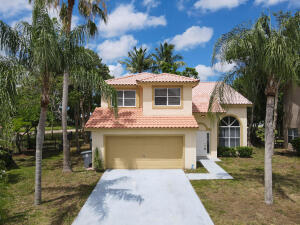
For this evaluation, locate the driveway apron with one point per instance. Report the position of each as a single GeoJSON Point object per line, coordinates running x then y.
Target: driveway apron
{"type": "Point", "coordinates": [143, 197]}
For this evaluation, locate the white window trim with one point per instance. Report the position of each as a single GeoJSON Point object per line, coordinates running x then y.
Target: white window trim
{"type": "Point", "coordinates": [168, 96]}
{"type": "Point", "coordinates": [293, 135]}
{"type": "Point", "coordinates": [229, 137]}
{"type": "Point", "coordinates": [123, 99]}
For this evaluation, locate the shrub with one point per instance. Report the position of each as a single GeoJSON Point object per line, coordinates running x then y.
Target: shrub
{"type": "Point", "coordinates": [244, 151]}
{"type": "Point", "coordinates": [6, 159]}
{"type": "Point", "coordinates": [98, 165]}
{"type": "Point", "coordinates": [296, 145]}
{"type": "Point", "coordinates": [226, 152]}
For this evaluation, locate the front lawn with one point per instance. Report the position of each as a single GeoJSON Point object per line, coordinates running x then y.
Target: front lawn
{"type": "Point", "coordinates": [241, 201]}
{"type": "Point", "coordinates": [63, 194]}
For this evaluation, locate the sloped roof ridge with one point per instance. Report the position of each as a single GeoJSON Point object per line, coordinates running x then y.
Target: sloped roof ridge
{"type": "Point", "coordinates": [127, 76]}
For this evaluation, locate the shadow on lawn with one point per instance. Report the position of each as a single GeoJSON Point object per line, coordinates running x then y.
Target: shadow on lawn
{"type": "Point", "coordinates": [287, 153]}
{"type": "Point", "coordinates": [280, 182]}
{"type": "Point", "coordinates": [68, 203]}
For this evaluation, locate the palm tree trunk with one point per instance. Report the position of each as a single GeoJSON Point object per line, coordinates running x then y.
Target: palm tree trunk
{"type": "Point", "coordinates": [82, 117]}
{"type": "Point", "coordinates": [40, 141]}
{"type": "Point", "coordinates": [275, 115]}
{"type": "Point", "coordinates": [66, 150]}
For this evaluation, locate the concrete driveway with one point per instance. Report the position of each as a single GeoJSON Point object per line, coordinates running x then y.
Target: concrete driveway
{"type": "Point", "coordinates": [142, 197]}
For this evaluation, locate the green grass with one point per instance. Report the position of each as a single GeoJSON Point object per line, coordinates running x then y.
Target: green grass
{"type": "Point", "coordinates": [63, 194]}
{"type": "Point", "coordinates": [200, 169]}
{"type": "Point", "coordinates": [241, 201]}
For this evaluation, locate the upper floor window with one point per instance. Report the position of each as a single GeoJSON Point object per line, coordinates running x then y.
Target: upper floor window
{"type": "Point", "coordinates": [229, 132]}
{"type": "Point", "coordinates": [126, 98]}
{"type": "Point", "coordinates": [292, 134]}
{"type": "Point", "coordinates": [167, 96]}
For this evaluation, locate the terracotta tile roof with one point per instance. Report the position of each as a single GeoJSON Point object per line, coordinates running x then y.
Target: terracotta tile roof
{"type": "Point", "coordinates": [167, 77]}
{"type": "Point", "coordinates": [203, 91]}
{"type": "Point", "coordinates": [150, 77]}
{"type": "Point", "coordinates": [129, 79]}
{"type": "Point", "coordinates": [134, 118]}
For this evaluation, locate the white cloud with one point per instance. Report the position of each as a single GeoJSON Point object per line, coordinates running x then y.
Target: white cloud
{"type": "Point", "coordinates": [192, 37]}
{"type": "Point", "coordinates": [116, 70]}
{"type": "Point", "coordinates": [150, 4]}
{"type": "Point", "coordinates": [223, 67]}
{"type": "Point", "coordinates": [269, 2]}
{"type": "Point", "coordinates": [214, 5]}
{"type": "Point", "coordinates": [10, 8]}
{"type": "Point", "coordinates": [111, 50]}
{"type": "Point", "coordinates": [204, 72]}
{"type": "Point", "coordinates": [125, 18]}
{"type": "Point", "coordinates": [180, 4]}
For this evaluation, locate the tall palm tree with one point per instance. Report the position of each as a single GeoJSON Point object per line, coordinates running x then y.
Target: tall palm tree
{"type": "Point", "coordinates": [266, 54]}
{"type": "Point", "coordinates": [138, 60]}
{"type": "Point", "coordinates": [164, 58]}
{"type": "Point", "coordinates": [34, 48]}
{"type": "Point", "coordinates": [90, 10]}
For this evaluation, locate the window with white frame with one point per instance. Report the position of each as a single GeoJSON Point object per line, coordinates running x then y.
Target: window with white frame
{"type": "Point", "coordinates": [292, 134]}
{"type": "Point", "coordinates": [126, 98]}
{"type": "Point", "coordinates": [229, 132]}
{"type": "Point", "coordinates": [167, 96]}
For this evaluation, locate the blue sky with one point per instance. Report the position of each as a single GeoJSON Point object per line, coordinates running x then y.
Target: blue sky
{"type": "Point", "coordinates": [192, 25]}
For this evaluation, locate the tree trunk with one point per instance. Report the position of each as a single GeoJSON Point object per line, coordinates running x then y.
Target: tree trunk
{"type": "Point", "coordinates": [82, 117]}
{"type": "Point", "coordinates": [275, 115]}
{"type": "Point", "coordinates": [269, 142]}
{"type": "Point", "coordinates": [66, 149]}
{"type": "Point", "coordinates": [40, 141]}
{"type": "Point", "coordinates": [250, 127]}
{"type": "Point", "coordinates": [77, 126]}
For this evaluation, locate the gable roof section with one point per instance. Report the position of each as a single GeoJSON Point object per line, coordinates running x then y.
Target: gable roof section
{"type": "Point", "coordinates": [203, 91]}
{"type": "Point", "coordinates": [134, 79]}
{"type": "Point", "coordinates": [129, 79]}
{"type": "Point", "coordinates": [134, 118]}
{"type": "Point", "coordinates": [167, 77]}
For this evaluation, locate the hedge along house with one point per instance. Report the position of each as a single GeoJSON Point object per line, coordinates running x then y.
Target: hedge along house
{"type": "Point", "coordinates": [163, 122]}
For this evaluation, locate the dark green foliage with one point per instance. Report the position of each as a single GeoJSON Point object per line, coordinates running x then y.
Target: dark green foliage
{"type": "Point", "coordinates": [296, 145]}
{"type": "Point", "coordinates": [6, 160]}
{"type": "Point", "coordinates": [226, 152]}
{"type": "Point", "coordinates": [98, 165]}
{"type": "Point", "coordinates": [244, 151]}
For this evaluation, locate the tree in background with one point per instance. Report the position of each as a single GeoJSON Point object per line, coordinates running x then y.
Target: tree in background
{"type": "Point", "coordinates": [264, 53]}
{"type": "Point", "coordinates": [165, 60]}
{"type": "Point", "coordinates": [138, 60]}
{"type": "Point", "coordinates": [88, 77]}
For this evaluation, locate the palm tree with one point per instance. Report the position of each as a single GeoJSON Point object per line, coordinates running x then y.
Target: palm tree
{"type": "Point", "coordinates": [165, 59]}
{"type": "Point", "coordinates": [138, 60]}
{"type": "Point", "coordinates": [90, 10]}
{"type": "Point", "coordinates": [34, 48]}
{"type": "Point", "coordinates": [266, 54]}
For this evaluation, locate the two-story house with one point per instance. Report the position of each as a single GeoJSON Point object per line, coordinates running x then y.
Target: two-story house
{"type": "Point", "coordinates": [163, 122]}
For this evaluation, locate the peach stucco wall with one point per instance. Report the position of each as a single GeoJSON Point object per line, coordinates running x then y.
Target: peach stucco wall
{"type": "Point", "coordinates": [150, 110]}
{"type": "Point", "coordinates": [210, 123]}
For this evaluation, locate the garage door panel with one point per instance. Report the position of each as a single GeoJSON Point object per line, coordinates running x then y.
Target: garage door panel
{"type": "Point", "coordinates": [144, 152]}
